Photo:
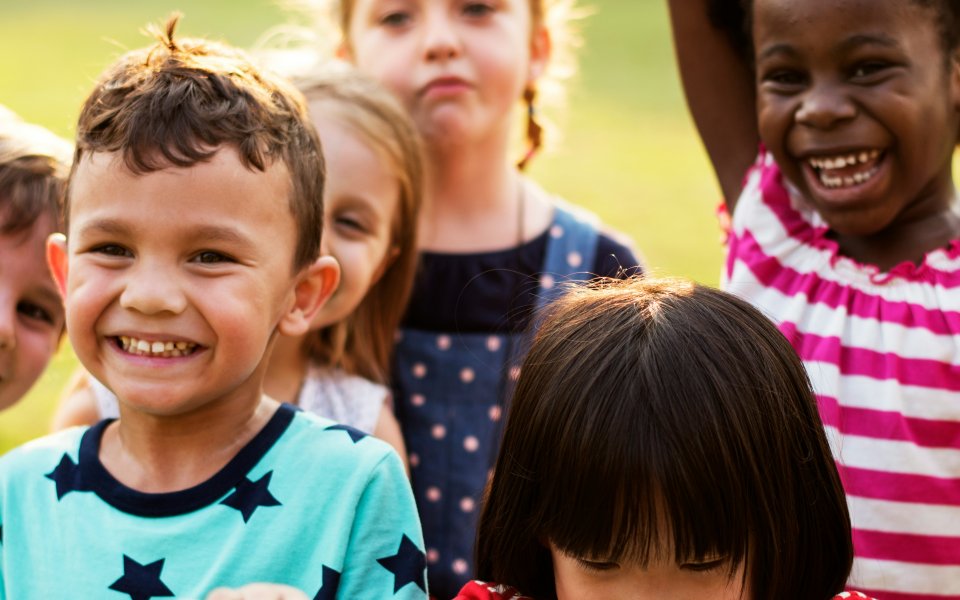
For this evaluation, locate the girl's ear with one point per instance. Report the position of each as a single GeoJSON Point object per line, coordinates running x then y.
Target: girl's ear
{"type": "Point", "coordinates": [343, 52]}
{"type": "Point", "coordinates": [388, 260]}
{"type": "Point", "coordinates": [314, 287]}
{"type": "Point", "coordinates": [57, 261]}
{"type": "Point", "coordinates": [541, 47]}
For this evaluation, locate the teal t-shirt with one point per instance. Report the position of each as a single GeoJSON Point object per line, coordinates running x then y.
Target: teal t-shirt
{"type": "Point", "coordinates": [307, 503]}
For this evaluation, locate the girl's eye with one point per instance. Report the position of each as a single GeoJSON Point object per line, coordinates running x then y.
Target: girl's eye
{"type": "Point", "coordinates": [350, 223]}
{"type": "Point", "coordinates": [34, 312]}
{"type": "Point", "coordinates": [395, 19]}
{"type": "Point", "coordinates": [866, 69]}
{"type": "Point", "coordinates": [477, 9]}
{"type": "Point", "coordinates": [208, 257]}
{"type": "Point", "coordinates": [784, 78]}
{"type": "Point", "coordinates": [597, 565]}
{"type": "Point", "coordinates": [704, 566]}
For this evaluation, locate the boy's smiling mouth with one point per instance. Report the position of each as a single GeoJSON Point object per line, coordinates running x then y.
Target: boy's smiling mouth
{"type": "Point", "coordinates": [155, 349]}
{"type": "Point", "coordinates": [846, 169]}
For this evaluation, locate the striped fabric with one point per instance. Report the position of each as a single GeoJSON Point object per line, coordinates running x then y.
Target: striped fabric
{"type": "Point", "coordinates": [883, 353]}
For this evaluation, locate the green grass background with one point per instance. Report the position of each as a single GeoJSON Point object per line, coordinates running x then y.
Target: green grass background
{"type": "Point", "coordinates": [628, 151]}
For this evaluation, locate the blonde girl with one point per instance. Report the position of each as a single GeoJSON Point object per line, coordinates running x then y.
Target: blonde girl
{"type": "Point", "coordinates": [494, 244]}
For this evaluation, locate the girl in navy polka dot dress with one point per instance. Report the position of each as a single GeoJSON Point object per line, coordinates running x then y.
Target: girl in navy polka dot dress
{"type": "Point", "coordinates": [663, 443]}
{"type": "Point", "coordinates": [494, 244]}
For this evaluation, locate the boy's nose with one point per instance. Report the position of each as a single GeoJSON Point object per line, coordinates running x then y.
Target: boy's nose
{"type": "Point", "coordinates": [824, 106]}
{"type": "Point", "coordinates": [441, 42]}
{"type": "Point", "coordinates": [152, 291]}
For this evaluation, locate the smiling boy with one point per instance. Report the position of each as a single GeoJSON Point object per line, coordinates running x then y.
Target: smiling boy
{"type": "Point", "coordinates": [193, 230]}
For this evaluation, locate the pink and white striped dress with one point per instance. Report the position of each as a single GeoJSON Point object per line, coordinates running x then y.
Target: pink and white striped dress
{"type": "Point", "coordinates": [883, 352]}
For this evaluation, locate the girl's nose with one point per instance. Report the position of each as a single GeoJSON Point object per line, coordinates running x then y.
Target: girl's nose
{"type": "Point", "coordinates": [152, 291]}
{"type": "Point", "coordinates": [441, 42]}
{"type": "Point", "coordinates": [8, 327]}
{"type": "Point", "coordinates": [824, 106]}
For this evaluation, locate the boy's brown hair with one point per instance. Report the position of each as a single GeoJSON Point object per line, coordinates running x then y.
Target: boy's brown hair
{"type": "Point", "coordinates": [176, 103]}
{"type": "Point", "coordinates": [362, 344]}
{"type": "Point", "coordinates": [33, 171]}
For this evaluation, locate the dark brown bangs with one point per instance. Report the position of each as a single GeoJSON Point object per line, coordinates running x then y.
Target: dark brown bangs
{"type": "Point", "coordinates": [665, 421]}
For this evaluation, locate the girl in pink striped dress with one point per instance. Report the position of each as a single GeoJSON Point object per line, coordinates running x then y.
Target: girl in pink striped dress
{"type": "Point", "coordinates": [845, 230]}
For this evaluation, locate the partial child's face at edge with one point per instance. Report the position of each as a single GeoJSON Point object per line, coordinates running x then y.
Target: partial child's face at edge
{"type": "Point", "coordinates": [459, 67]}
{"type": "Point", "coordinates": [31, 314]}
{"type": "Point", "coordinates": [177, 279]}
{"type": "Point", "coordinates": [361, 197]}
{"type": "Point", "coordinates": [858, 108]}
{"type": "Point", "coordinates": [579, 579]}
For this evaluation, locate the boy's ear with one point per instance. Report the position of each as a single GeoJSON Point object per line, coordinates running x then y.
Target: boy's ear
{"type": "Point", "coordinates": [57, 261]}
{"type": "Point", "coordinates": [541, 48]}
{"type": "Point", "coordinates": [314, 286]}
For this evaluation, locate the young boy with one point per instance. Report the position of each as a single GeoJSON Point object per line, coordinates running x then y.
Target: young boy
{"type": "Point", "coordinates": [193, 221]}
{"type": "Point", "coordinates": [33, 171]}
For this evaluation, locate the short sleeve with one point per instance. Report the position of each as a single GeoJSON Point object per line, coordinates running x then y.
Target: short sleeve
{"type": "Point", "coordinates": [385, 557]}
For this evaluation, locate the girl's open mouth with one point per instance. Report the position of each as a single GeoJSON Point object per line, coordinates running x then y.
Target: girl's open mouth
{"type": "Point", "coordinates": [846, 170]}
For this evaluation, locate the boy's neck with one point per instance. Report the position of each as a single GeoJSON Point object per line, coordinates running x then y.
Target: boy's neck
{"type": "Point", "coordinates": [154, 454]}
{"type": "Point", "coordinates": [286, 370]}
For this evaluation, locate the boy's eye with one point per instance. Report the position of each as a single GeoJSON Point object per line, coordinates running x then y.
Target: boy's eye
{"type": "Point", "coordinates": [34, 312]}
{"type": "Point", "coordinates": [112, 250]}
{"type": "Point", "coordinates": [209, 257]}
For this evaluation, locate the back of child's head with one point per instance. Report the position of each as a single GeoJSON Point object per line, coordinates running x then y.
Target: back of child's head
{"type": "Point", "coordinates": [653, 417]}
{"type": "Point", "coordinates": [363, 343]}
{"type": "Point", "coordinates": [33, 170]}
{"type": "Point", "coordinates": [178, 102]}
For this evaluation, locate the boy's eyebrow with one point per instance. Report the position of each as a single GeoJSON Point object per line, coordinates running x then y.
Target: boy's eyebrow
{"type": "Point", "coordinates": [214, 233]}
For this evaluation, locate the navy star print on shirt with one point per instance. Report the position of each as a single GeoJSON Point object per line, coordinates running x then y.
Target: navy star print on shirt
{"type": "Point", "coordinates": [250, 495]}
{"type": "Point", "coordinates": [355, 434]}
{"type": "Point", "coordinates": [66, 476]}
{"type": "Point", "coordinates": [141, 582]}
{"type": "Point", "coordinates": [407, 565]}
{"type": "Point", "coordinates": [328, 589]}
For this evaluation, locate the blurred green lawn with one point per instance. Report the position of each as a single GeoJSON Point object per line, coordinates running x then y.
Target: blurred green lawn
{"type": "Point", "coordinates": [628, 151]}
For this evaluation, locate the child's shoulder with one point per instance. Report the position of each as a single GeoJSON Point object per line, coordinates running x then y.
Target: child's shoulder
{"type": "Point", "coordinates": [345, 448]}
{"type": "Point", "coordinates": [39, 452]}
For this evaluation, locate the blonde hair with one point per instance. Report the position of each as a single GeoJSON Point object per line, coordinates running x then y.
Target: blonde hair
{"type": "Point", "coordinates": [34, 164]}
{"type": "Point", "coordinates": [362, 344]}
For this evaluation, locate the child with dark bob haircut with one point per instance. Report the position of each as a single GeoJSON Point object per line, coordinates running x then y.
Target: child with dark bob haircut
{"type": "Point", "coordinates": [663, 443]}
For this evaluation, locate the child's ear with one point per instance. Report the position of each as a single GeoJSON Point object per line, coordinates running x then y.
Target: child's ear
{"type": "Point", "coordinates": [57, 261]}
{"type": "Point", "coordinates": [314, 286]}
{"type": "Point", "coordinates": [541, 48]}
{"type": "Point", "coordinates": [343, 51]}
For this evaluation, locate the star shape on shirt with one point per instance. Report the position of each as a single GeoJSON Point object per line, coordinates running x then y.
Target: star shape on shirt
{"type": "Point", "coordinates": [355, 434]}
{"type": "Point", "coordinates": [141, 582]}
{"type": "Point", "coordinates": [67, 477]}
{"type": "Point", "coordinates": [328, 589]}
{"type": "Point", "coordinates": [407, 565]}
{"type": "Point", "coordinates": [251, 495]}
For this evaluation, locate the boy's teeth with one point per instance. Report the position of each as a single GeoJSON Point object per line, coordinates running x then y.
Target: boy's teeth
{"type": "Point", "coordinates": [161, 349]}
